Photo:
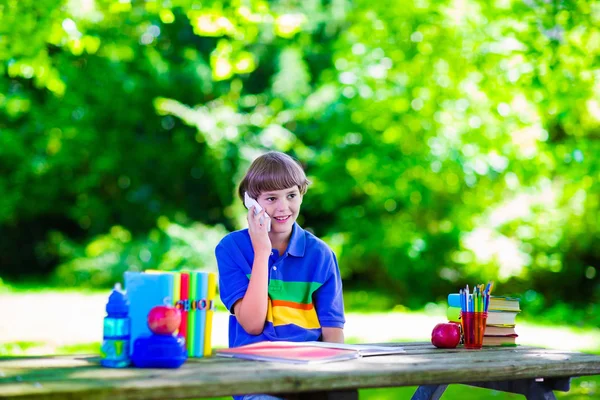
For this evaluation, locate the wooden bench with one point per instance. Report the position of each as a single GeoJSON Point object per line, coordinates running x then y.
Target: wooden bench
{"type": "Point", "coordinates": [530, 371]}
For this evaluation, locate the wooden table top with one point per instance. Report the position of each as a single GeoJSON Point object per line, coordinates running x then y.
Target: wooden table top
{"type": "Point", "coordinates": [81, 377]}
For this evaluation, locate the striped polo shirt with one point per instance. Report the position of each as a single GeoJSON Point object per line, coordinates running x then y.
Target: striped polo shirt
{"type": "Point", "coordinates": [305, 288]}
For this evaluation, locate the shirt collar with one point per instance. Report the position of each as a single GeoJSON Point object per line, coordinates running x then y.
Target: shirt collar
{"type": "Point", "coordinates": [297, 243]}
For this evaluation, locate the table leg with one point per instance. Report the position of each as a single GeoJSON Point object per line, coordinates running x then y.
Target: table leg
{"type": "Point", "coordinates": [330, 395]}
{"type": "Point", "coordinates": [532, 389]}
{"type": "Point", "coordinates": [429, 392]}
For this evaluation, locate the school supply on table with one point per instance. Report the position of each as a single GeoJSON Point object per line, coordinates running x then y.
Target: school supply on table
{"type": "Point", "coordinates": [364, 350]}
{"type": "Point", "coordinates": [210, 311]}
{"type": "Point", "coordinates": [159, 351]}
{"type": "Point", "coordinates": [474, 313]}
{"type": "Point", "coordinates": [494, 318]}
{"type": "Point", "coordinates": [501, 318]}
{"type": "Point", "coordinates": [473, 328]}
{"type": "Point", "coordinates": [500, 303]}
{"type": "Point", "coordinates": [192, 292]}
{"type": "Point", "coordinates": [497, 303]}
{"type": "Point", "coordinates": [286, 352]}
{"type": "Point", "coordinates": [163, 348]}
{"type": "Point", "coordinates": [306, 352]}
{"type": "Point", "coordinates": [500, 335]}
{"type": "Point", "coordinates": [499, 340]}
{"type": "Point", "coordinates": [492, 330]}
{"type": "Point", "coordinates": [115, 343]}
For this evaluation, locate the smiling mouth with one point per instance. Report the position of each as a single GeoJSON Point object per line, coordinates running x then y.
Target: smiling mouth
{"type": "Point", "coordinates": [281, 219]}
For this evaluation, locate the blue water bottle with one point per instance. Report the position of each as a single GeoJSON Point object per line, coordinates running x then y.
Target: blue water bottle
{"type": "Point", "coordinates": [115, 344]}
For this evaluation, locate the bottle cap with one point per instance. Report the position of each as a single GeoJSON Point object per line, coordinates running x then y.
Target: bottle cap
{"type": "Point", "coordinates": [118, 305]}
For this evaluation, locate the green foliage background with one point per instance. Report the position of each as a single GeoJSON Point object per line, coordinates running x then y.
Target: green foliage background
{"type": "Point", "coordinates": [449, 142]}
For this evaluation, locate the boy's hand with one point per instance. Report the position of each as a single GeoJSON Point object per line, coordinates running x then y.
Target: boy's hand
{"type": "Point", "coordinates": [258, 232]}
{"type": "Point", "coordinates": [333, 335]}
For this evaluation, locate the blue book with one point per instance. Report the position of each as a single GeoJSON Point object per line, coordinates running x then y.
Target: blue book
{"type": "Point", "coordinates": [145, 291]}
{"type": "Point", "coordinates": [202, 306]}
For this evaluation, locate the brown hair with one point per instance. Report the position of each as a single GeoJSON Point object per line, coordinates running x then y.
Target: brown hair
{"type": "Point", "coordinates": [273, 171]}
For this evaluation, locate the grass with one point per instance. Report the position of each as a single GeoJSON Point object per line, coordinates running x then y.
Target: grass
{"type": "Point", "coordinates": [16, 349]}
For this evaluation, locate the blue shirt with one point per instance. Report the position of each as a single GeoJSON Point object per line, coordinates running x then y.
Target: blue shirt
{"type": "Point", "coordinates": [305, 287]}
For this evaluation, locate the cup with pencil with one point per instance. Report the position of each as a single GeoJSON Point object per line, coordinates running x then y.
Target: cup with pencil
{"type": "Point", "coordinates": [473, 315]}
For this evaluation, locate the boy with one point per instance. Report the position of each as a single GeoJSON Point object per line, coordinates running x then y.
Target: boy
{"type": "Point", "coordinates": [282, 284]}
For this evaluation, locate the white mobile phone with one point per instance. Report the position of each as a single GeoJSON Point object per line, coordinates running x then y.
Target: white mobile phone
{"type": "Point", "coordinates": [249, 202]}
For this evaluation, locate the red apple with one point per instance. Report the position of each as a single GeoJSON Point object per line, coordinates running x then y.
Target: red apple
{"type": "Point", "coordinates": [446, 335]}
{"type": "Point", "coordinates": [164, 320]}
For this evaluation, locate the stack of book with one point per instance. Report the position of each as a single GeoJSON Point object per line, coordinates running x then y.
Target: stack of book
{"type": "Point", "coordinates": [501, 320]}
{"type": "Point", "coordinates": [192, 292]}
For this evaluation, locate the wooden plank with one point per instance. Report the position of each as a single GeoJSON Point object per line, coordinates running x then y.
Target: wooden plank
{"type": "Point", "coordinates": [41, 368]}
{"type": "Point", "coordinates": [12, 367]}
{"type": "Point", "coordinates": [48, 368]}
{"type": "Point", "coordinates": [64, 377]}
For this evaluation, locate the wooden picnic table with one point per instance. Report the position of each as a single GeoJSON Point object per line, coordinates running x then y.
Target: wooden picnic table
{"type": "Point", "coordinates": [531, 371]}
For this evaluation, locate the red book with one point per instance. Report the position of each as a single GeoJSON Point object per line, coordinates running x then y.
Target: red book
{"type": "Point", "coordinates": [184, 299]}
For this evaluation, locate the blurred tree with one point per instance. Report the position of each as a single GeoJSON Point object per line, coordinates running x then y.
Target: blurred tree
{"type": "Point", "coordinates": [449, 142]}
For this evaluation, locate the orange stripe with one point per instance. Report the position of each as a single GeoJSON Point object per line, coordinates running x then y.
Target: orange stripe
{"type": "Point", "coordinates": [292, 304]}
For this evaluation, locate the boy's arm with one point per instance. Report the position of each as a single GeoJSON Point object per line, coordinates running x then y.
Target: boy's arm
{"type": "Point", "coordinates": [333, 335]}
{"type": "Point", "coordinates": [251, 310]}
{"type": "Point", "coordinates": [329, 304]}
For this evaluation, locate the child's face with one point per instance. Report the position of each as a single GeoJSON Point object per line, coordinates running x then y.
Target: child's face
{"type": "Point", "coordinates": [283, 207]}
